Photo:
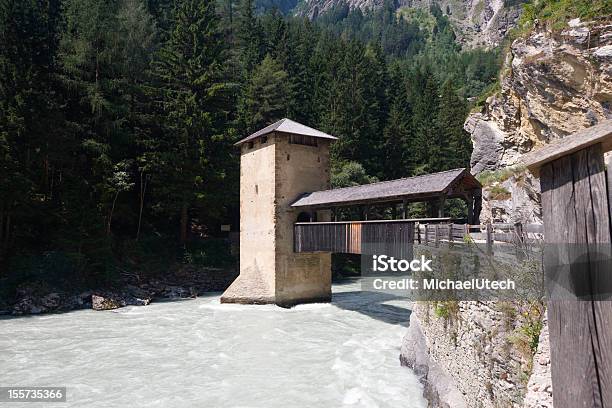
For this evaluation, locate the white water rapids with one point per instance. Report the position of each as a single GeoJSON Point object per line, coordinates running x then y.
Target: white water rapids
{"type": "Point", "coordinates": [200, 353]}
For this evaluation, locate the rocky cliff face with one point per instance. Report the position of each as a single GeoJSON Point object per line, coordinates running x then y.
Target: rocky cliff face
{"type": "Point", "coordinates": [471, 361]}
{"type": "Point", "coordinates": [477, 22]}
{"type": "Point", "coordinates": [480, 354]}
{"type": "Point", "coordinates": [552, 85]}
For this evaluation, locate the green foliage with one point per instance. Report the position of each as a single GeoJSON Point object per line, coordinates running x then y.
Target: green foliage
{"type": "Point", "coordinates": [498, 192]}
{"type": "Point", "coordinates": [350, 174]}
{"type": "Point", "coordinates": [490, 177]}
{"type": "Point", "coordinates": [447, 310]}
{"type": "Point", "coordinates": [267, 95]}
{"type": "Point", "coordinates": [526, 336]}
{"type": "Point", "coordinates": [195, 94]}
{"type": "Point", "coordinates": [420, 40]}
{"type": "Point", "coordinates": [556, 13]}
{"type": "Point", "coordinates": [531, 330]}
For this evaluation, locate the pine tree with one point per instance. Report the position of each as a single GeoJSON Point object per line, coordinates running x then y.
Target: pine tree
{"type": "Point", "coordinates": [398, 153]}
{"type": "Point", "coordinates": [377, 109]}
{"type": "Point", "coordinates": [457, 146]}
{"type": "Point", "coordinates": [302, 41]}
{"type": "Point", "coordinates": [347, 115]}
{"type": "Point", "coordinates": [426, 145]}
{"type": "Point", "coordinates": [267, 95]}
{"type": "Point", "coordinates": [248, 36]}
{"type": "Point", "coordinates": [195, 93]}
{"type": "Point", "coordinates": [31, 122]}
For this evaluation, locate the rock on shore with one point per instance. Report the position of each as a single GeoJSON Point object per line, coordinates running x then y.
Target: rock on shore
{"type": "Point", "coordinates": [187, 282]}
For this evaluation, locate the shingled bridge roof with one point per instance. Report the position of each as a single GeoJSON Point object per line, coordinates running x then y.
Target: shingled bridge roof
{"type": "Point", "coordinates": [416, 188]}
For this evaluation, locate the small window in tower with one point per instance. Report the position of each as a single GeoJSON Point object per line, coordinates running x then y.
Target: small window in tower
{"type": "Point", "coordinates": [250, 145]}
{"type": "Point", "coordinates": [288, 157]}
{"type": "Point", "coordinates": [256, 189]}
{"type": "Point", "coordinates": [264, 139]}
{"type": "Point", "coordinates": [303, 140]}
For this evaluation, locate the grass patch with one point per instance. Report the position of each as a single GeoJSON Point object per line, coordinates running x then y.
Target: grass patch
{"type": "Point", "coordinates": [556, 13]}
{"type": "Point", "coordinates": [526, 337]}
{"type": "Point", "coordinates": [447, 310]}
{"type": "Point", "coordinates": [490, 177]}
{"type": "Point", "coordinates": [420, 16]}
{"type": "Point", "coordinates": [499, 193]}
{"type": "Point", "coordinates": [492, 89]}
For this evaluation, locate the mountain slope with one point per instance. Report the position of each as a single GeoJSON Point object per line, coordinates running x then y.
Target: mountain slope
{"type": "Point", "coordinates": [477, 22]}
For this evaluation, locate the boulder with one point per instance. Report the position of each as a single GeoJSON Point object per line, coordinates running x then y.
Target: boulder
{"type": "Point", "coordinates": [26, 305]}
{"type": "Point", "coordinates": [51, 301]}
{"type": "Point", "coordinates": [105, 303]}
{"type": "Point", "coordinates": [487, 140]}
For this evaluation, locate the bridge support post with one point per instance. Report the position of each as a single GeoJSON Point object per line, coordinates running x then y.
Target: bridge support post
{"type": "Point", "coordinates": [578, 268]}
{"type": "Point", "coordinates": [489, 230]}
{"type": "Point", "coordinates": [469, 201]}
{"type": "Point", "coordinates": [441, 202]}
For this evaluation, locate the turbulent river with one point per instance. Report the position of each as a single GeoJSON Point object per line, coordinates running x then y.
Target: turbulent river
{"type": "Point", "coordinates": [200, 353]}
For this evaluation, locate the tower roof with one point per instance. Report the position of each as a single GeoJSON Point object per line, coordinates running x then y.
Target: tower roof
{"type": "Point", "coordinates": [287, 126]}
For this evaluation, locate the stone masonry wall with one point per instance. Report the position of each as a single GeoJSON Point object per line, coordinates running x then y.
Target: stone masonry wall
{"type": "Point", "coordinates": [299, 169]}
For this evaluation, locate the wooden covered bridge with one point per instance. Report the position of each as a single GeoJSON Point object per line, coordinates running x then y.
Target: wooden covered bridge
{"type": "Point", "coordinates": [381, 235]}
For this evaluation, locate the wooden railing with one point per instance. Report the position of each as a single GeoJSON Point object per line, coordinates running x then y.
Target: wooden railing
{"type": "Point", "coordinates": [435, 234]}
{"type": "Point", "coordinates": [397, 236]}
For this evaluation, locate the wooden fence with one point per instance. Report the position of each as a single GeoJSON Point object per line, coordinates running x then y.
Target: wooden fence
{"type": "Point", "coordinates": [450, 233]}
{"type": "Point", "coordinates": [396, 236]}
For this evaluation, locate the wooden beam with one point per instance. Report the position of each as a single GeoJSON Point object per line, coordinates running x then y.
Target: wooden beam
{"type": "Point", "coordinates": [489, 229]}
{"type": "Point", "coordinates": [469, 202]}
{"type": "Point", "coordinates": [434, 220]}
{"type": "Point", "coordinates": [598, 134]}
{"type": "Point", "coordinates": [609, 178]}
{"type": "Point", "coordinates": [437, 235]}
{"type": "Point", "coordinates": [410, 198]}
{"type": "Point", "coordinates": [576, 222]}
{"type": "Point", "coordinates": [441, 202]}
{"type": "Point", "coordinates": [350, 238]}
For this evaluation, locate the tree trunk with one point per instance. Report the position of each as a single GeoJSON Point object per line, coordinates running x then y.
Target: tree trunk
{"type": "Point", "coordinates": [110, 215]}
{"type": "Point", "coordinates": [143, 191]}
{"type": "Point", "coordinates": [7, 232]}
{"type": "Point", "coordinates": [1, 232]}
{"type": "Point", "coordinates": [184, 222]}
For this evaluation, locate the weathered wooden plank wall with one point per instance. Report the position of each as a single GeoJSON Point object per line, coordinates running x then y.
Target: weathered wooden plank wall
{"type": "Point", "coordinates": [392, 238]}
{"type": "Point", "coordinates": [577, 262]}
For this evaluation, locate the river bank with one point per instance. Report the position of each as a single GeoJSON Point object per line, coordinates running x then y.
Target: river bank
{"type": "Point", "coordinates": [185, 282]}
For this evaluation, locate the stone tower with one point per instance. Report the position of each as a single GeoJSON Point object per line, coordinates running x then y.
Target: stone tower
{"type": "Point", "coordinates": [277, 165]}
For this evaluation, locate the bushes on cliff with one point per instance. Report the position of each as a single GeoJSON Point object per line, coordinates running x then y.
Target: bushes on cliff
{"type": "Point", "coordinates": [556, 13]}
